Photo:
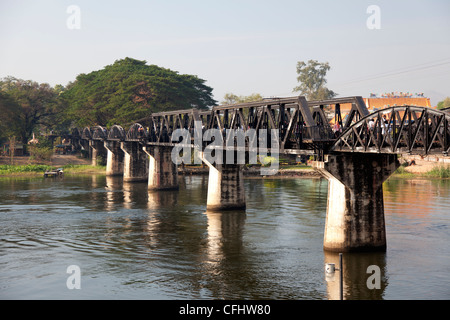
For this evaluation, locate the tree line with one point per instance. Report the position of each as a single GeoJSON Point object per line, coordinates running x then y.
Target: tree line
{"type": "Point", "coordinates": [121, 93]}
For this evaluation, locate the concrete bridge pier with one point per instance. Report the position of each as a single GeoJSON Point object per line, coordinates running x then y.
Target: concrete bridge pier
{"type": "Point", "coordinates": [225, 187]}
{"type": "Point", "coordinates": [75, 143]}
{"type": "Point", "coordinates": [114, 158]}
{"type": "Point", "coordinates": [98, 150]}
{"type": "Point", "coordinates": [162, 171]}
{"type": "Point", "coordinates": [135, 167]}
{"type": "Point", "coordinates": [355, 209]}
{"type": "Point", "coordinates": [85, 145]}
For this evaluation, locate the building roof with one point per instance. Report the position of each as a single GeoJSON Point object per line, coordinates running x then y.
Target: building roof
{"type": "Point", "coordinates": [381, 103]}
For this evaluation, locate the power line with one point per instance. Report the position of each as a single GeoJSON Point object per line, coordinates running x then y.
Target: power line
{"type": "Point", "coordinates": [405, 70]}
{"type": "Point", "coordinates": [399, 71]}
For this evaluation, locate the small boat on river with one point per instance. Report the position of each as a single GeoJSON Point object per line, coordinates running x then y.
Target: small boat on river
{"type": "Point", "coordinates": [54, 173]}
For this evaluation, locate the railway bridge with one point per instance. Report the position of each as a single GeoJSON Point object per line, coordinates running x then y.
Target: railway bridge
{"type": "Point", "coordinates": [356, 156]}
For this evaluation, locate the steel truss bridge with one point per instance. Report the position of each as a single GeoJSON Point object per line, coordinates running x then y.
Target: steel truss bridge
{"type": "Point", "coordinates": [356, 159]}
{"type": "Point", "coordinates": [303, 126]}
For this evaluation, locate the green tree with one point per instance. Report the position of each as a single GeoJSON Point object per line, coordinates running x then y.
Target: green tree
{"type": "Point", "coordinates": [444, 104]}
{"type": "Point", "coordinates": [25, 105]}
{"type": "Point", "coordinates": [129, 90]}
{"type": "Point", "coordinates": [230, 98]}
{"type": "Point", "coordinates": [8, 119]}
{"type": "Point", "coordinates": [311, 77]}
{"type": "Point", "coordinates": [58, 120]}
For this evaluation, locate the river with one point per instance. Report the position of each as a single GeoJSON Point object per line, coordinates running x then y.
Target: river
{"type": "Point", "coordinates": [128, 243]}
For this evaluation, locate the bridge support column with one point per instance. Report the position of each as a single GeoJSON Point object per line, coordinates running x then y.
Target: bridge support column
{"type": "Point", "coordinates": [135, 168]}
{"type": "Point", "coordinates": [98, 152]}
{"type": "Point", "coordinates": [163, 173]}
{"type": "Point", "coordinates": [85, 146]}
{"type": "Point", "coordinates": [355, 210]}
{"type": "Point", "coordinates": [75, 143]}
{"type": "Point", "coordinates": [114, 158]}
{"type": "Point", "coordinates": [225, 187]}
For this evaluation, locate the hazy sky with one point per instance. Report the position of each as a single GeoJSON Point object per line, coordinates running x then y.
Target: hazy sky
{"type": "Point", "coordinates": [241, 46]}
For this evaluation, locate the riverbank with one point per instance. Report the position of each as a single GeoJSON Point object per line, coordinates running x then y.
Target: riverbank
{"type": "Point", "coordinates": [289, 171]}
{"type": "Point", "coordinates": [38, 170]}
{"type": "Point", "coordinates": [427, 167]}
{"type": "Point", "coordinates": [25, 166]}
{"type": "Point", "coordinates": [56, 160]}
{"type": "Point", "coordinates": [412, 167]}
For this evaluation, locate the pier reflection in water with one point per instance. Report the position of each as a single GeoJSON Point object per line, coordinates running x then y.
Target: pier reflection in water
{"type": "Point", "coordinates": [356, 273]}
{"type": "Point", "coordinates": [131, 243]}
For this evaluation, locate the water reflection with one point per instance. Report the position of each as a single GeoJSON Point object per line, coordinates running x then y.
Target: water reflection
{"type": "Point", "coordinates": [145, 244]}
{"type": "Point", "coordinates": [229, 269]}
{"type": "Point", "coordinates": [134, 194]}
{"type": "Point", "coordinates": [162, 199]}
{"type": "Point", "coordinates": [225, 232]}
{"type": "Point", "coordinates": [355, 276]}
{"type": "Point", "coordinates": [113, 189]}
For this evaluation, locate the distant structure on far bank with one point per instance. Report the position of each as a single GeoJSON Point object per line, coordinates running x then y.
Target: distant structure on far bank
{"type": "Point", "coordinates": [377, 102]}
{"type": "Point", "coordinates": [386, 100]}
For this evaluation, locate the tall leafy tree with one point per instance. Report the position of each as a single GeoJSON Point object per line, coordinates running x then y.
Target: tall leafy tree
{"type": "Point", "coordinates": [8, 118]}
{"type": "Point", "coordinates": [311, 77]}
{"type": "Point", "coordinates": [25, 105]}
{"type": "Point", "coordinates": [129, 90]}
{"type": "Point", "coordinates": [231, 98]}
{"type": "Point", "coordinates": [444, 104]}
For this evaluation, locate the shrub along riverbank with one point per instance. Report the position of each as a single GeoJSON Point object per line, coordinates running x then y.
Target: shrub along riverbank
{"type": "Point", "coordinates": [39, 169]}
{"type": "Point", "coordinates": [438, 171]}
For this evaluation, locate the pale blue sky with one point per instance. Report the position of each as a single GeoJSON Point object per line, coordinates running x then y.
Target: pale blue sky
{"type": "Point", "coordinates": [240, 46]}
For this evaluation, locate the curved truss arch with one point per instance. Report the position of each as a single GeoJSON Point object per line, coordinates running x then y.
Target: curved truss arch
{"type": "Point", "coordinates": [402, 129]}
{"type": "Point", "coordinates": [99, 133]}
{"type": "Point", "coordinates": [86, 133]}
{"type": "Point", "coordinates": [137, 132]}
{"type": "Point", "coordinates": [116, 133]}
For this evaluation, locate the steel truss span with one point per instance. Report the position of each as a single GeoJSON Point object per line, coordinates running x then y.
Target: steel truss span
{"type": "Point", "coordinates": [302, 126]}
{"type": "Point", "coordinates": [398, 130]}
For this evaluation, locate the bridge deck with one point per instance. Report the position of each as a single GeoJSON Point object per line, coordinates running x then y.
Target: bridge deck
{"type": "Point", "coordinates": [301, 127]}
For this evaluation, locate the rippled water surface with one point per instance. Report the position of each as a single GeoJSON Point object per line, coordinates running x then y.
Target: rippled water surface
{"type": "Point", "coordinates": [132, 244]}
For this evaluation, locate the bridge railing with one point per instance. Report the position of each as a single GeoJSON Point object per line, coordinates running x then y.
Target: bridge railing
{"type": "Point", "coordinates": [300, 124]}
{"type": "Point", "coordinates": [405, 129]}
{"type": "Point", "coordinates": [319, 133]}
